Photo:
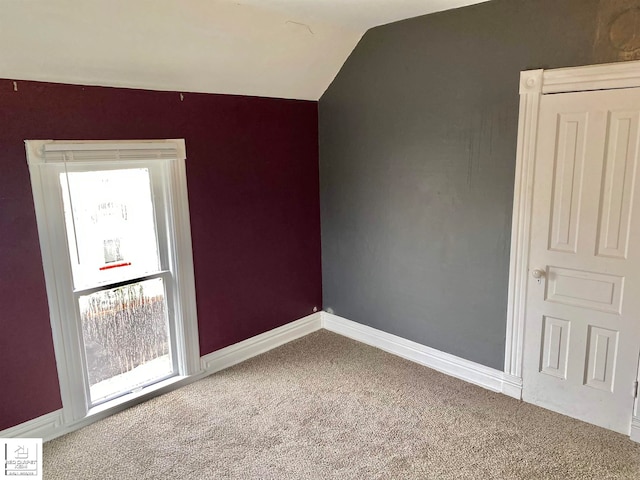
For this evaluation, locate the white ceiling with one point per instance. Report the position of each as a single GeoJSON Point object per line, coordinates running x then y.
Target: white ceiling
{"type": "Point", "coordinates": [271, 48]}
{"type": "Point", "coordinates": [358, 15]}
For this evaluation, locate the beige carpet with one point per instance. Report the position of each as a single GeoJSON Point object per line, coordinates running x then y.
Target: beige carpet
{"type": "Point", "coordinates": [328, 407]}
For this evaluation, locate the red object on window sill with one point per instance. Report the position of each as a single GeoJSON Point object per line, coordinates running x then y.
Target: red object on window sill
{"type": "Point", "coordinates": [108, 267]}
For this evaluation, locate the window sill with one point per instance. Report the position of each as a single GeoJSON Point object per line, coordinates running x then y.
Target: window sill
{"type": "Point", "coordinates": [131, 399]}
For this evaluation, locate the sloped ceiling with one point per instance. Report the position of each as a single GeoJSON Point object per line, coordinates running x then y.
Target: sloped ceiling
{"type": "Point", "coordinates": [271, 48]}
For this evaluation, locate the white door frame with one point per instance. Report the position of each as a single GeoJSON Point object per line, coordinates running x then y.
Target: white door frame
{"type": "Point", "coordinates": [534, 84]}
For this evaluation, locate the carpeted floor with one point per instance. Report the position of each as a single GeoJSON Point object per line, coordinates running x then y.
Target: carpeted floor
{"type": "Point", "coordinates": [325, 406]}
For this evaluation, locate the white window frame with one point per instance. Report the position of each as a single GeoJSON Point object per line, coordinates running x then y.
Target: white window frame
{"type": "Point", "coordinates": [165, 157]}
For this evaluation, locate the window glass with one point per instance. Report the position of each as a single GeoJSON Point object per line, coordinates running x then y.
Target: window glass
{"type": "Point", "coordinates": [110, 225]}
{"type": "Point", "coordinates": [126, 337]}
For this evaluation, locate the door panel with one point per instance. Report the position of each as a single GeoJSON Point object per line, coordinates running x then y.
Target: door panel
{"type": "Point", "coordinates": [590, 290]}
{"type": "Point", "coordinates": [582, 325]}
{"type": "Point", "coordinates": [567, 188]}
{"type": "Point", "coordinates": [618, 185]}
{"type": "Point", "coordinates": [555, 347]}
{"type": "Point", "coordinates": [602, 348]}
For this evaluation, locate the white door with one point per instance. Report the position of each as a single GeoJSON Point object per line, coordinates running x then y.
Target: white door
{"type": "Point", "coordinates": [582, 327]}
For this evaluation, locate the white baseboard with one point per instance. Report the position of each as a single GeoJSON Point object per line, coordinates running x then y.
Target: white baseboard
{"type": "Point", "coordinates": [635, 429]}
{"type": "Point", "coordinates": [45, 427]}
{"type": "Point", "coordinates": [512, 386]}
{"type": "Point", "coordinates": [239, 352]}
{"type": "Point", "coordinates": [52, 425]}
{"type": "Point", "coordinates": [466, 370]}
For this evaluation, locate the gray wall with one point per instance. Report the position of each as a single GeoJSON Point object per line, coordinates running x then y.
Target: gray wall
{"type": "Point", "coordinates": [417, 157]}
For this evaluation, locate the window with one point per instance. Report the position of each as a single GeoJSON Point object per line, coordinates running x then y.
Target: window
{"type": "Point", "coordinates": [114, 231]}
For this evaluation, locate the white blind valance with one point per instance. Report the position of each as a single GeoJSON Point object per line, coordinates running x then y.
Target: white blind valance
{"type": "Point", "coordinates": [49, 151]}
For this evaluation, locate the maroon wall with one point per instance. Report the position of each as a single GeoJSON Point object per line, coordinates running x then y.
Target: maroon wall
{"type": "Point", "coordinates": [252, 172]}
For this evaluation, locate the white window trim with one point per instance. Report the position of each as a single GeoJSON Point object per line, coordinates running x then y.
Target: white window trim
{"type": "Point", "coordinates": [51, 231]}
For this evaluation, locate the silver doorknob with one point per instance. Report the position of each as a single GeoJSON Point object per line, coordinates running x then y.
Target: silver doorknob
{"type": "Point", "coordinates": [537, 273]}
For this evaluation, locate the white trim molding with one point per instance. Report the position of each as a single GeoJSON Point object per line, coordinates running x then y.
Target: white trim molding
{"type": "Point", "coordinates": [530, 87]}
{"type": "Point", "coordinates": [489, 378]}
{"type": "Point", "coordinates": [239, 352]}
{"type": "Point", "coordinates": [593, 77]}
{"type": "Point", "coordinates": [53, 425]}
{"type": "Point", "coordinates": [635, 429]}
{"type": "Point", "coordinates": [534, 84]}
{"type": "Point", "coordinates": [45, 427]}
